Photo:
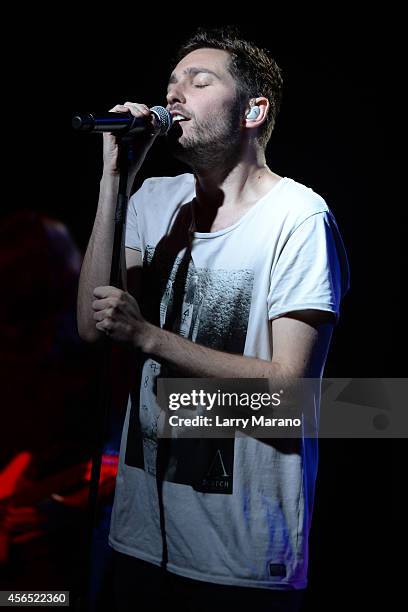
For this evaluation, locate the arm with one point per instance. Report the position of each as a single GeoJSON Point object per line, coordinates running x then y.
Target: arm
{"type": "Point", "coordinates": [300, 345]}
{"type": "Point", "coordinates": [96, 266]}
{"type": "Point", "coordinates": [97, 262]}
{"type": "Point", "coordinates": [300, 342]}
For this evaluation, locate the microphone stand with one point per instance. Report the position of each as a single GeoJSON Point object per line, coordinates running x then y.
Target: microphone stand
{"type": "Point", "coordinates": [104, 386]}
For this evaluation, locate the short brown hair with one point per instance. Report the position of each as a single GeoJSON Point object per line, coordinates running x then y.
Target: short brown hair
{"type": "Point", "coordinates": [253, 68]}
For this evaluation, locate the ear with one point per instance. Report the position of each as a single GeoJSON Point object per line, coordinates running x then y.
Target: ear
{"type": "Point", "coordinates": [255, 118]}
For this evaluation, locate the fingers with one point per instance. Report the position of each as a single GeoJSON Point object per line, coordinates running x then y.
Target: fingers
{"type": "Point", "coordinates": [114, 327]}
{"type": "Point", "coordinates": [106, 313]}
{"type": "Point", "coordinates": [138, 110]}
{"type": "Point", "coordinates": [107, 291]}
{"type": "Point", "coordinates": [111, 300]}
{"type": "Point", "coordinates": [105, 303]}
{"type": "Point", "coordinates": [105, 326]}
{"type": "Point", "coordinates": [131, 107]}
{"type": "Point", "coordinates": [116, 313]}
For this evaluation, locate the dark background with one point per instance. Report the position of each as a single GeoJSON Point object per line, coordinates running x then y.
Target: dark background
{"type": "Point", "coordinates": [339, 133]}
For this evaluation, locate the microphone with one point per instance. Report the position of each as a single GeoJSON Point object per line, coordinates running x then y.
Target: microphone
{"type": "Point", "coordinates": [122, 123]}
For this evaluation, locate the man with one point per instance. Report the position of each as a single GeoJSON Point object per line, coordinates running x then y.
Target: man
{"type": "Point", "coordinates": [233, 272]}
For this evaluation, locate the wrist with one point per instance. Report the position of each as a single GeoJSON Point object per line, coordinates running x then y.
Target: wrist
{"type": "Point", "coordinates": [110, 178]}
{"type": "Point", "coordinates": [146, 337]}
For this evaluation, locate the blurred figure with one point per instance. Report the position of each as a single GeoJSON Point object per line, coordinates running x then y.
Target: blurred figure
{"type": "Point", "coordinates": [47, 408]}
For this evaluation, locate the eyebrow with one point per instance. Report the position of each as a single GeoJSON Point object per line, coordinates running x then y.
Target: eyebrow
{"type": "Point", "coordinates": [193, 71]}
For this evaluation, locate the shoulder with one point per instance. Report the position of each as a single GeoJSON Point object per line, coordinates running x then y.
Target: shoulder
{"type": "Point", "coordinates": [300, 202]}
{"type": "Point", "coordinates": [164, 191]}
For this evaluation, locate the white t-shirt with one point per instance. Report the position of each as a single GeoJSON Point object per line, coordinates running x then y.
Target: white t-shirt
{"type": "Point", "coordinates": [235, 511]}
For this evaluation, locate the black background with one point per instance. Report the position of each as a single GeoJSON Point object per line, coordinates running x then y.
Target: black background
{"type": "Point", "coordinates": [338, 132]}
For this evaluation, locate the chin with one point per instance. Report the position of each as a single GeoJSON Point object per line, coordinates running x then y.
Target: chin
{"type": "Point", "coordinates": [178, 145]}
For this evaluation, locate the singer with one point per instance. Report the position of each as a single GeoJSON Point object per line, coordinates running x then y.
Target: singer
{"type": "Point", "coordinates": [232, 272]}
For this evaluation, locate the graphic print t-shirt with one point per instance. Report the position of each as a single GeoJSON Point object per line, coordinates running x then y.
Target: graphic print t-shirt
{"type": "Point", "coordinates": [230, 511]}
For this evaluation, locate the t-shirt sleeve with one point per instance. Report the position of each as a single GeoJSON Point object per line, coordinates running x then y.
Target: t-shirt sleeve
{"type": "Point", "coordinates": [132, 236]}
{"type": "Point", "coordinates": [312, 270]}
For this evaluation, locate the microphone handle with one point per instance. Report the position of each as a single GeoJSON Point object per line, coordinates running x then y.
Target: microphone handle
{"type": "Point", "coordinates": [108, 122]}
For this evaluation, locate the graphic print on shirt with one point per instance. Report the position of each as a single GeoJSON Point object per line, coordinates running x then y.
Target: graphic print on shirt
{"type": "Point", "coordinates": [210, 307]}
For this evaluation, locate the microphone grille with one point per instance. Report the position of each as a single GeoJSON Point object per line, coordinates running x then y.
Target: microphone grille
{"type": "Point", "coordinates": [164, 118]}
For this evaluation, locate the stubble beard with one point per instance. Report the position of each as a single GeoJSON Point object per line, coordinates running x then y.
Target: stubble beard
{"type": "Point", "coordinates": [214, 143]}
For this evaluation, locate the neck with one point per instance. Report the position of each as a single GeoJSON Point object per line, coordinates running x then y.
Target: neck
{"type": "Point", "coordinates": [233, 187]}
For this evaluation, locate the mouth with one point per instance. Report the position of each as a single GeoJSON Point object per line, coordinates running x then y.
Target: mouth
{"type": "Point", "coordinates": [178, 117]}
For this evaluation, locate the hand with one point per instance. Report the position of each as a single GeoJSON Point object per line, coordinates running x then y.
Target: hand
{"type": "Point", "coordinates": [140, 143]}
{"type": "Point", "coordinates": [118, 315]}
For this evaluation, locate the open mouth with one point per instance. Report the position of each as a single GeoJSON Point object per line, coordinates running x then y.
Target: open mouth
{"type": "Point", "coordinates": [178, 117]}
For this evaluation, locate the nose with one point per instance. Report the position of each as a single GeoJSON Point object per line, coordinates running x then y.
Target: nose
{"type": "Point", "coordinates": [175, 94]}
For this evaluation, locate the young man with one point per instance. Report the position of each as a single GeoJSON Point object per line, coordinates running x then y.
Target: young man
{"type": "Point", "coordinates": [233, 271]}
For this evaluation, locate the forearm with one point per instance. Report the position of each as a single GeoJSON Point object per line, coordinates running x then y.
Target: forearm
{"type": "Point", "coordinates": [97, 262]}
{"type": "Point", "coordinates": [193, 360]}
